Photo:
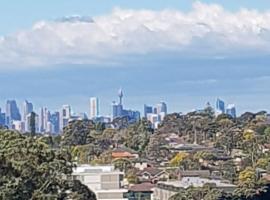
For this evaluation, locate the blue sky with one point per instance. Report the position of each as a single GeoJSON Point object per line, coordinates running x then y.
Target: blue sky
{"type": "Point", "coordinates": [181, 52]}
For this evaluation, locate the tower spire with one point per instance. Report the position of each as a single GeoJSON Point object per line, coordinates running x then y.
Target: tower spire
{"type": "Point", "coordinates": [120, 95]}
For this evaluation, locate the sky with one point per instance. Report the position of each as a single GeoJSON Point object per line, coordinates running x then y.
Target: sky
{"type": "Point", "coordinates": [185, 53]}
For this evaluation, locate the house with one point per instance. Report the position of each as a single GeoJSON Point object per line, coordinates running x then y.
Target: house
{"type": "Point", "coordinates": [141, 163]}
{"type": "Point", "coordinates": [123, 152]}
{"type": "Point", "coordinates": [165, 190]}
{"type": "Point", "coordinates": [140, 191]}
{"type": "Point", "coordinates": [104, 181]}
{"type": "Point", "coordinates": [194, 173]}
{"type": "Point", "coordinates": [153, 175]}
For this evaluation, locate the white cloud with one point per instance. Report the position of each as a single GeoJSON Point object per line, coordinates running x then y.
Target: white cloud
{"type": "Point", "coordinates": [207, 30]}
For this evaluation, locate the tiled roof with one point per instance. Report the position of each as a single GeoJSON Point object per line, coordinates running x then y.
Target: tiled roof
{"type": "Point", "coordinates": [122, 155]}
{"type": "Point", "coordinates": [150, 170]}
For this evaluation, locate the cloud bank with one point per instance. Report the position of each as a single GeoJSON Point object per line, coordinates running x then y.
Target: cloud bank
{"type": "Point", "coordinates": [206, 31]}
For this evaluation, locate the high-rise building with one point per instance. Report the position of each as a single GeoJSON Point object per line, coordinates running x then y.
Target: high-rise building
{"type": "Point", "coordinates": [27, 108]}
{"type": "Point", "coordinates": [2, 118]}
{"type": "Point", "coordinates": [18, 125]}
{"type": "Point", "coordinates": [119, 111]}
{"type": "Point", "coordinates": [12, 112]}
{"type": "Point", "coordinates": [55, 120]}
{"type": "Point", "coordinates": [220, 107]}
{"type": "Point", "coordinates": [28, 123]}
{"type": "Point", "coordinates": [231, 110]}
{"type": "Point", "coordinates": [161, 108]}
{"type": "Point", "coordinates": [44, 119]}
{"type": "Point", "coordinates": [47, 118]}
{"type": "Point", "coordinates": [65, 116]}
{"type": "Point", "coordinates": [41, 120]}
{"type": "Point", "coordinates": [94, 107]}
{"type": "Point", "coordinates": [147, 110]}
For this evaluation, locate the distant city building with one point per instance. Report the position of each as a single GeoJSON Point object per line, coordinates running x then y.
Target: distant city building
{"type": "Point", "coordinates": [220, 107]}
{"type": "Point", "coordinates": [2, 118]}
{"type": "Point", "coordinates": [157, 114]}
{"type": "Point", "coordinates": [18, 125]}
{"type": "Point", "coordinates": [55, 120]}
{"type": "Point", "coordinates": [94, 107]}
{"type": "Point", "coordinates": [44, 119]}
{"type": "Point", "coordinates": [154, 119]}
{"type": "Point", "coordinates": [231, 110]}
{"type": "Point", "coordinates": [79, 116]}
{"type": "Point", "coordinates": [161, 108]}
{"type": "Point", "coordinates": [147, 110]}
{"type": "Point", "coordinates": [103, 119]}
{"type": "Point", "coordinates": [119, 111]}
{"type": "Point", "coordinates": [28, 123]}
{"type": "Point", "coordinates": [12, 113]}
{"type": "Point", "coordinates": [27, 108]}
{"type": "Point", "coordinates": [65, 116]}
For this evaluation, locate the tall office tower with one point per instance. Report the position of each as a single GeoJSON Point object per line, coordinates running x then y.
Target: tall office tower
{"type": "Point", "coordinates": [55, 119]}
{"type": "Point", "coordinates": [2, 118]}
{"type": "Point", "coordinates": [28, 123]}
{"type": "Point", "coordinates": [220, 107]}
{"type": "Point", "coordinates": [44, 118]}
{"type": "Point", "coordinates": [41, 120]}
{"type": "Point", "coordinates": [27, 108]}
{"type": "Point", "coordinates": [47, 118]}
{"type": "Point", "coordinates": [147, 110]}
{"type": "Point", "coordinates": [117, 110]}
{"type": "Point", "coordinates": [94, 107]}
{"type": "Point", "coordinates": [12, 112]}
{"type": "Point", "coordinates": [162, 108]}
{"type": "Point", "coordinates": [231, 110]}
{"type": "Point", "coordinates": [65, 116]}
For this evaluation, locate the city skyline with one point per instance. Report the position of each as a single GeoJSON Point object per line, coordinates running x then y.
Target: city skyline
{"type": "Point", "coordinates": [35, 108]}
{"type": "Point", "coordinates": [54, 121]}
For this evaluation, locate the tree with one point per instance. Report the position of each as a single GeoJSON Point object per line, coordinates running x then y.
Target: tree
{"type": "Point", "coordinates": [29, 169]}
{"type": "Point", "coordinates": [249, 185]}
{"type": "Point", "coordinates": [122, 164]}
{"type": "Point", "coordinates": [179, 159]}
{"type": "Point", "coordinates": [78, 133]}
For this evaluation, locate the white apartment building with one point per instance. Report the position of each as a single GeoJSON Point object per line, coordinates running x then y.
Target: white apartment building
{"type": "Point", "coordinates": [104, 181]}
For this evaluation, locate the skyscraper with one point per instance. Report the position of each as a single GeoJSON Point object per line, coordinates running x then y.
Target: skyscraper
{"type": "Point", "coordinates": [65, 116]}
{"type": "Point", "coordinates": [41, 120]}
{"type": "Point", "coordinates": [94, 107]}
{"type": "Point", "coordinates": [231, 110]}
{"type": "Point", "coordinates": [55, 119]}
{"type": "Point", "coordinates": [12, 112]}
{"type": "Point", "coordinates": [220, 107]}
{"type": "Point", "coordinates": [161, 108]}
{"type": "Point", "coordinates": [27, 108]}
{"type": "Point", "coordinates": [28, 123]}
{"type": "Point", "coordinates": [147, 110]}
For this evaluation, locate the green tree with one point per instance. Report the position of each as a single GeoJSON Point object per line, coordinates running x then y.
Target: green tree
{"type": "Point", "coordinates": [29, 169]}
